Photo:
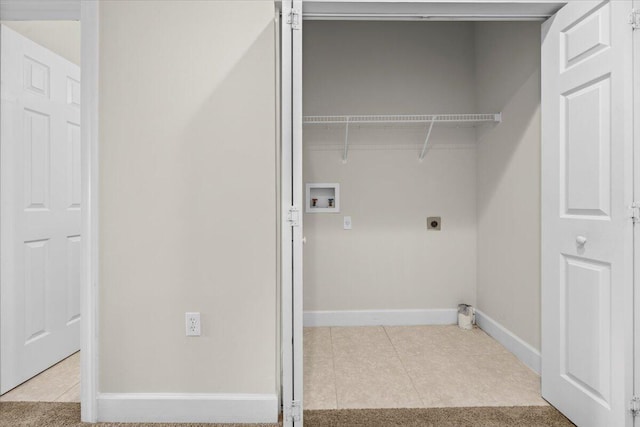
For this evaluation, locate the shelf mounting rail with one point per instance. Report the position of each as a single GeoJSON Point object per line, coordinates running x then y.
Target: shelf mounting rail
{"type": "Point", "coordinates": [426, 141]}
{"type": "Point", "coordinates": [431, 119]}
{"type": "Point", "coordinates": [346, 141]}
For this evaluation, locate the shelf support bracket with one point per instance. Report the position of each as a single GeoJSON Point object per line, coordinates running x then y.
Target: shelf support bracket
{"type": "Point", "coordinates": [426, 141]}
{"type": "Point", "coordinates": [346, 142]}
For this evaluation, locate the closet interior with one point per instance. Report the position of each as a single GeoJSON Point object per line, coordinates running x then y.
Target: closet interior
{"type": "Point", "coordinates": [422, 191]}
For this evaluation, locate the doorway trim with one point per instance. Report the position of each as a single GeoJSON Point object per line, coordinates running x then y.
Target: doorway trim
{"type": "Point", "coordinates": [89, 120]}
{"type": "Point", "coordinates": [425, 10]}
{"type": "Point", "coordinates": [87, 12]}
{"type": "Point", "coordinates": [636, 198]}
{"type": "Point", "coordinates": [391, 11]}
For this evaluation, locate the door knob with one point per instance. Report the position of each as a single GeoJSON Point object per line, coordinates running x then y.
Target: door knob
{"type": "Point", "coordinates": [581, 240]}
{"type": "Point", "coordinates": [304, 240]}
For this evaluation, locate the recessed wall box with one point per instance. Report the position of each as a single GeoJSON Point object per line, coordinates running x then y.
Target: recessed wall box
{"type": "Point", "coordinates": [323, 198]}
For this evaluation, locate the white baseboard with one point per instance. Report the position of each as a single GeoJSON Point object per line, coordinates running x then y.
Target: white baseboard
{"type": "Point", "coordinates": [187, 408]}
{"type": "Point", "coordinates": [381, 317]}
{"type": "Point", "coordinates": [523, 351]}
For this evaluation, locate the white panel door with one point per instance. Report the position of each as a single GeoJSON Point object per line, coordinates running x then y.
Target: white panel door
{"type": "Point", "coordinates": [587, 247]}
{"type": "Point", "coordinates": [40, 248]}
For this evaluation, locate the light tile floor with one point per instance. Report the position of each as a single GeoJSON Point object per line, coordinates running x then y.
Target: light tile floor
{"type": "Point", "coordinates": [412, 367]}
{"type": "Point", "coordinates": [59, 383]}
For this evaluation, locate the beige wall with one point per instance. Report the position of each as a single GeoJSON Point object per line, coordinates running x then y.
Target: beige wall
{"type": "Point", "coordinates": [187, 196]}
{"type": "Point", "coordinates": [62, 37]}
{"type": "Point", "coordinates": [188, 185]}
{"type": "Point", "coordinates": [389, 260]}
{"type": "Point", "coordinates": [508, 80]}
{"type": "Point", "coordinates": [491, 193]}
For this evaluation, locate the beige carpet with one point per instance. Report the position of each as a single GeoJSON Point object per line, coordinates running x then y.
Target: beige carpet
{"type": "Point", "coordinates": [41, 414]}
{"type": "Point", "coordinates": [529, 416]}
{"type": "Point", "coordinates": [58, 414]}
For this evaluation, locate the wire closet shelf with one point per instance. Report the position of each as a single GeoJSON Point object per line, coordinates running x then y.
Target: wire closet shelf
{"type": "Point", "coordinates": [431, 119]}
{"type": "Point", "coordinates": [423, 118]}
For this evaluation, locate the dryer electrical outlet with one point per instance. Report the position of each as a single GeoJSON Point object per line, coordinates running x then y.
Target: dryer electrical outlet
{"type": "Point", "coordinates": [434, 223]}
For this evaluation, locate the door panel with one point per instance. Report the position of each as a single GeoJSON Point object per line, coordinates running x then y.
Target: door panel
{"type": "Point", "coordinates": [586, 142]}
{"type": "Point", "coordinates": [37, 176]}
{"type": "Point", "coordinates": [587, 250]}
{"type": "Point", "coordinates": [586, 340]}
{"type": "Point", "coordinates": [74, 183]}
{"type": "Point", "coordinates": [74, 260]}
{"type": "Point", "coordinates": [40, 255]}
{"type": "Point", "coordinates": [586, 36]}
{"type": "Point", "coordinates": [36, 259]}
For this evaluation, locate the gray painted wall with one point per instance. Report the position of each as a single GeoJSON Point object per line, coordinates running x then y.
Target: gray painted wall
{"type": "Point", "coordinates": [508, 80]}
{"type": "Point", "coordinates": [389, 260]}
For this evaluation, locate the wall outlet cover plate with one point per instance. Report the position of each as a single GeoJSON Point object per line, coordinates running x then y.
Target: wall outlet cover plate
{"type": "Point", "coordinates": [192, 324]}
{"type": "Point", "coordinates": [347, 223]}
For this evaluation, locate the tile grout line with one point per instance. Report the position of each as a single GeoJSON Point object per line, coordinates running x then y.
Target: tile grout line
{"type": "Point", "coordinates": [63, 361]}
{"type": "Point", "coordinates": [333, 364]}
{"type": "Point", "coordinates": [66, 391]}
{"type": "Point", "coordinates": [59, 367]}
{"type": "Point", "coordinates": [404, 368]}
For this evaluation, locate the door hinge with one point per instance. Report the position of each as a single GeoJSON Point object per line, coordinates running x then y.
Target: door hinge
{"type": "Point", "coordinates": [634, 18]}
{"type": "Point", "coordinates": [294, 411]}
{"type": "Point", "coordinates": [635, 212]}
{"type": "Point", "coordinates": [293, 216]}
{"type": "Point", "coordinates": [634, 406]}
{"type": "Point", "coordinates": [294, 19]}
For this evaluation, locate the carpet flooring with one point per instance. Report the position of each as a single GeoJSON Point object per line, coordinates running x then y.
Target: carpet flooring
{"type": "Point", "coordinates": [529, 416]}
{"type": "Point", "coordinates": [54, 414]}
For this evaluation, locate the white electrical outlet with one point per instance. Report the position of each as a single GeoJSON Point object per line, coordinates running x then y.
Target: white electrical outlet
{"type": "Point", "coordinates": [347, 223]}
{"type": "Point", "coordinates": [192, 321]}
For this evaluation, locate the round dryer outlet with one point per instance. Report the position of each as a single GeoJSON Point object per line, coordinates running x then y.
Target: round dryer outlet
{"type": "Point", "coordinates": [434, 223]}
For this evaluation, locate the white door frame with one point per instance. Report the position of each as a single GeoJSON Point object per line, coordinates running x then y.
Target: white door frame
{"type": "Point", "coordinates": [386, 10]}
{"type": "Point", "coordinates": [286, 231]}
{"type": "Point", "coordinates": [298, 200]}
{"type": "Point", "coordinates": [431, 10]}
{"type": "Point", "coordinates": [636, 197]}
{"type": "Point", "coordinates": [291, 228]}
{"type": "Point", "coordinates": [87, 12]}
{"type": "Point", "coordinates": [89, 122]}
